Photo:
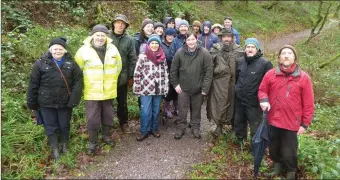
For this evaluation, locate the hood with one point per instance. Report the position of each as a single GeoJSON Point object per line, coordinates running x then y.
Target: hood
{"type": "Point", "coordinates": [206, 23]}
{"type": "Point", "coordinates": [166, 20]}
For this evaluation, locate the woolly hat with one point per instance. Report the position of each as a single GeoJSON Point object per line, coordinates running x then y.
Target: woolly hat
{"type": "Point", "coordinates": [170, 31]}
{"type": "Point", "coordinates": [154, 37]}
{"type": "Point", "coordinates": [99, 28]}
{"type": "Point", "coordinates": [217, 25]}
{"type": "Point", "coordinates": [289, 47]}
{"type": "Point", "coordinates": [121, 17]}
{"type": "Point", "coordinates": [61, 41]}
{"type": "Point", "coordinates": [158, 24]}
{"type": "Point", "coordinates": [146, 22]}
{"type": "Point", "coordinates": [183, 22]}
{"type": "Point", "coordinates": [253, 41]}
{"type": "Point", "coordinates": [196, 23]}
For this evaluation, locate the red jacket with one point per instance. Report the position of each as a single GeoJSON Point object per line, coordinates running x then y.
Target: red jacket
{"type": "Point", "coordinates": [291, 98]}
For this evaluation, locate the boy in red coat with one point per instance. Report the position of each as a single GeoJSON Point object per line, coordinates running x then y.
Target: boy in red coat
{"type": "Point", "coordinates": [286, 93]}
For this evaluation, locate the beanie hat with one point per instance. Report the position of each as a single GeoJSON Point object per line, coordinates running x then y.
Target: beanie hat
{"type": "Point", "coordinates": [289, 47]}
{"type": "Point", "coordinates": [196, 23]}
{"type": "Point", "coordinates": [158, 24]}
{"type": "Point", "coordinates": [99, 28]}
{"type": "Point", "coordinates": [121, 17]}
{"type": "Point", "coordinates": [253, 41]}
{"type": "Point", "coordinates": [146, 22]}
{"type": "Point", "coordinates": [154, 37]}
{"type": "Point", "coordinates": [61, 41]}
{"type": "Point", "coordinates": [183, 22]}
{"type": "Point", "coordinates": [170, 31]}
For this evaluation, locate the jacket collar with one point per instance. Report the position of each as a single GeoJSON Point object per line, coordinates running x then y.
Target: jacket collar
{"type": "Point", "coordinates": [296, 73]}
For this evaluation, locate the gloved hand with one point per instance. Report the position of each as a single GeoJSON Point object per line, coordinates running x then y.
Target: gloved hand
{"type": "Point", "coordinates": [265, 106]}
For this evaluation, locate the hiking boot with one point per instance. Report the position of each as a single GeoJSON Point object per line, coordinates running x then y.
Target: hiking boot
{"type": "Point", "coordinates": [277, 170]}
{"type": "Point", "coordinates": [196, 132]}
{"type": "Point", "coordinates": [167, 109]}
{"type": "Point", "coordinates": [106, 135]}
{"type": "Point", "coordinates": [156, 134]}
{"type": "Point", "coordinates": [179, 133]}
{"type": "Point", "coordinates": [218, 131]}
{"type": "Point", "coordinates": [290, 175]}
{"type": "Point", "coordinates": [141, 136]}
{"type": "Point", "coordinates": [125, 128]}
{"type": "Point", "coordinates": [53, 140]}
{"type": "Point", "coordinates": [93, 141]}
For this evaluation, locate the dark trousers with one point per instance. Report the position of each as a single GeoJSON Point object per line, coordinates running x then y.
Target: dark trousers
{"type": "Point", "coordinates": [193, 102]}
{"type": "Point", "coordinates": [57, 119]}
{"type": "Point", "coordinates": [245, 115]}
{"type": "Point", "coordinates": [99, 112]}
{"type": "Point", "coordinates": [122, 109]}
{"type": "Point", "coordinates": [283, 147]}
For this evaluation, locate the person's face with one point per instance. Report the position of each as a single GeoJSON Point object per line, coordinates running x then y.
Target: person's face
{"type": "Point", "coordinates": [119, 26]}
{"type": "Point", "coordinates": [57, 51]}
{"type": "Point", "coordinates": [191, 41]}
{"type": "Point", "coordinates": [206, 29]}
{"type": "Point", "coordinates": [171, 24]}
{"type": "Point", "coordinates": [195, 28]}
{"type": "Point", "coordinates": [169, 38]}
{"type": "Point", "coordinates": [216, 30]}
{"type": "Point", "coordinates": [154, 45]}
{"type": "Point", "coordinates": [148, 29]}
{"type": "Point", "coordinates": [159, 31]}
{"type": "Point", "coordinates": [251, 50]}
{"type": "Point", "coordinates": [99, 39]}
{"type": "Point", "coordinates": [227, 23]}
{"type": "Point", "coordinates": [227, 40]}
{"type": "Point", "coordinates": [183, 29]}
{"type": "Point", "coordinates": [287, 57]}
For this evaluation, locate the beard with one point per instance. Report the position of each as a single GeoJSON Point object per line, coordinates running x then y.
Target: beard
{"type": "Point", "coordinates": [226, 45]}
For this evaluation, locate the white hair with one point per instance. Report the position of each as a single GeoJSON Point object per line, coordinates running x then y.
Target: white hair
{"type": "Point", "coordinates": [50, 49]}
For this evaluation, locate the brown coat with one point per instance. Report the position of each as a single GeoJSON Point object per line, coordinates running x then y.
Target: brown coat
{"type": "Point", "coordinates": [220, 102]}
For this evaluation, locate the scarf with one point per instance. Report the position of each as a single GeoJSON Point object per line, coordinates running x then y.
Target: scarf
{"type": "Point", "coordinates": [155, 57]}
{"type": "Point", "coordinates": [60, 62]}
{"type": "Point", "coordinates": [289, 70]}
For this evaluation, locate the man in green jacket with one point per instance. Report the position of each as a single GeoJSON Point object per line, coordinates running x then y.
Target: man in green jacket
{"type": "Point", "coordinates": [191, 75]}
{"type": "Point", "coordinates": [125, 46]}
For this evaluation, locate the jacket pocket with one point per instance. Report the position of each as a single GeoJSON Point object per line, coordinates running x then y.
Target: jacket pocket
{"type": "Point", "coordinates": [44, 98]}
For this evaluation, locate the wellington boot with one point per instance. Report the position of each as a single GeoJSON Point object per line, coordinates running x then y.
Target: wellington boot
{"type": "Point", "coordinates": [106, 135]}
{"type": "Point", "coordinates": [53, 140]}
{"type": "Point", "coordinates": [93, 141]}
{"type": "Point", "coordinates": [290, 175]}
{"type": "Point", "coordinates": [277, 170]}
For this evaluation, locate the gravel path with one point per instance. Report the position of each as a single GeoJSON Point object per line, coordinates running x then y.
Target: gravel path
{"type": "Point", "coordinates": [153, 158]}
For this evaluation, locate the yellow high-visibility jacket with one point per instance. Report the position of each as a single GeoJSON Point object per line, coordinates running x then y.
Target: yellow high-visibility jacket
{"type": "Point", "coordinates": [100, 80]}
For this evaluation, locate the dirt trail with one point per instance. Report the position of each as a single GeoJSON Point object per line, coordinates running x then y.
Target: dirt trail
{"type": "Point", "coordinates": [165, 157]}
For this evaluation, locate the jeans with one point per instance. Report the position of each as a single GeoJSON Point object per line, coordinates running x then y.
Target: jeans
{"type": "Point", "coordinates": [149, 113]}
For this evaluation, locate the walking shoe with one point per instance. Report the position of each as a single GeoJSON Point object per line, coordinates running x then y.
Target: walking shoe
{"type": "Point", "coordinates": [156, 134]}
{"type": "Point", "coordinates": [106, 135]}
{"type": "Point", "coordinates": [125, 128]}
{"type": "Point", "coordinates": [179, 133]}
{"type": "Point", "coordinates": [218, 131]}
{"type": "Point", "coordinates": [141, 136]}
{"type": "Point", "coordinates": [196, 133]}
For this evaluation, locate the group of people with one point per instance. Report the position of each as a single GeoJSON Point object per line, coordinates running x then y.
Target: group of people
{"type": "Point", "coordinates": [183, 65]}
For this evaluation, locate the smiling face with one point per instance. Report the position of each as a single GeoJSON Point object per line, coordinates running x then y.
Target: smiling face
{"type": "Point", "coordinates": [119, 26]}
{"type": "Point", "coordinates": [99, 39]}
{"type": "Point", "coordinates": [227, 23]}
{"type": "Point", "coordinates": [251, 50]}
{"type": "Point", "coordinates": [148, 29]}
{"type": "Point", "coordinates": [227, 40]}
{"type": "Point", "coordinates": [159, 31]}
{"type": "Point", "coordinates": [154, 45]}
{"type": "Point", "coordinates": [206, 29]}
{"type": "Point", "coordinates": [183, 29]}
{"type": "Point", "coordinates": [191, 41]}
{"type": "Point", "coordinates": [169, 38]}
{"type": "Point", "coordinates": [195, 28]}
{"type": "Point", "coordinates": [217, 30]}
{"type": "Point", "coordinates": [57, 51]}
{"type": "Point", "coordinates": [287, 57]}
{"type": "Point", "coordinates": [171, 24]}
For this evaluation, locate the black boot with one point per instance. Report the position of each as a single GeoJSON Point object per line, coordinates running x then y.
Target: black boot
{"type": "Point", "coordinates": [106, 135]}
{"type": "Point", "coordinates": [53, 140]}
{"type": "Point", "coordinates": [93, 141]}
{"type": "Point", "coordinates": [64, 141]}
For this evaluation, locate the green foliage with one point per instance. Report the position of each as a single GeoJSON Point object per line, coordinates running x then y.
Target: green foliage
{"type": "Point", "coordinates": [14, 19]}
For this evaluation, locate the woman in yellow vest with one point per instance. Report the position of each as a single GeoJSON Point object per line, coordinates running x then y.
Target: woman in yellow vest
{"type": "Point", "coordinates": [101, 64]}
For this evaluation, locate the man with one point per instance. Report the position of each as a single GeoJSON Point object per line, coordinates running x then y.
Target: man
{"type": "Point", "coordinates": [180, 38]}
{"type": "Point", "coordinates": [220, 102]}
{"type": "Point", "coordinates": [207, 38]}
{"type": "Point", "coordinates": [286, 94]}
{"type": "Point", "coordinates": [101, 65]}
{"type": "Point", "coordinates": [228, 24]}
{"type": "Point", "coordinates": [250, 70]}
{"type": "Point", "coordinates": [125, 45]}
{"type": "Point", "coordinates": [191, 75]}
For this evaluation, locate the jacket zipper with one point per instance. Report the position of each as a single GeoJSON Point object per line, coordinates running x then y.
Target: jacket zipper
{"type": "Point", "coordinates": [288, 89]}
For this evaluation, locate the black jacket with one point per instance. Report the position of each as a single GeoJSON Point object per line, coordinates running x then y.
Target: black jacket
{"type": "Point", "coordinates": [48, 89]}
{"type": "Point", "coordinates": [249, 74]}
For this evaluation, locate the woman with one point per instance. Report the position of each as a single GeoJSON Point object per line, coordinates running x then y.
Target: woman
{"type": "Point", "coordinates": [151, 84]}
{"type": "Point", "coordinates": [170, 34]}
{"type": "Point", "coordinates": [55, 87]}
{"type": "Point", "coordinates": [159, 29]}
